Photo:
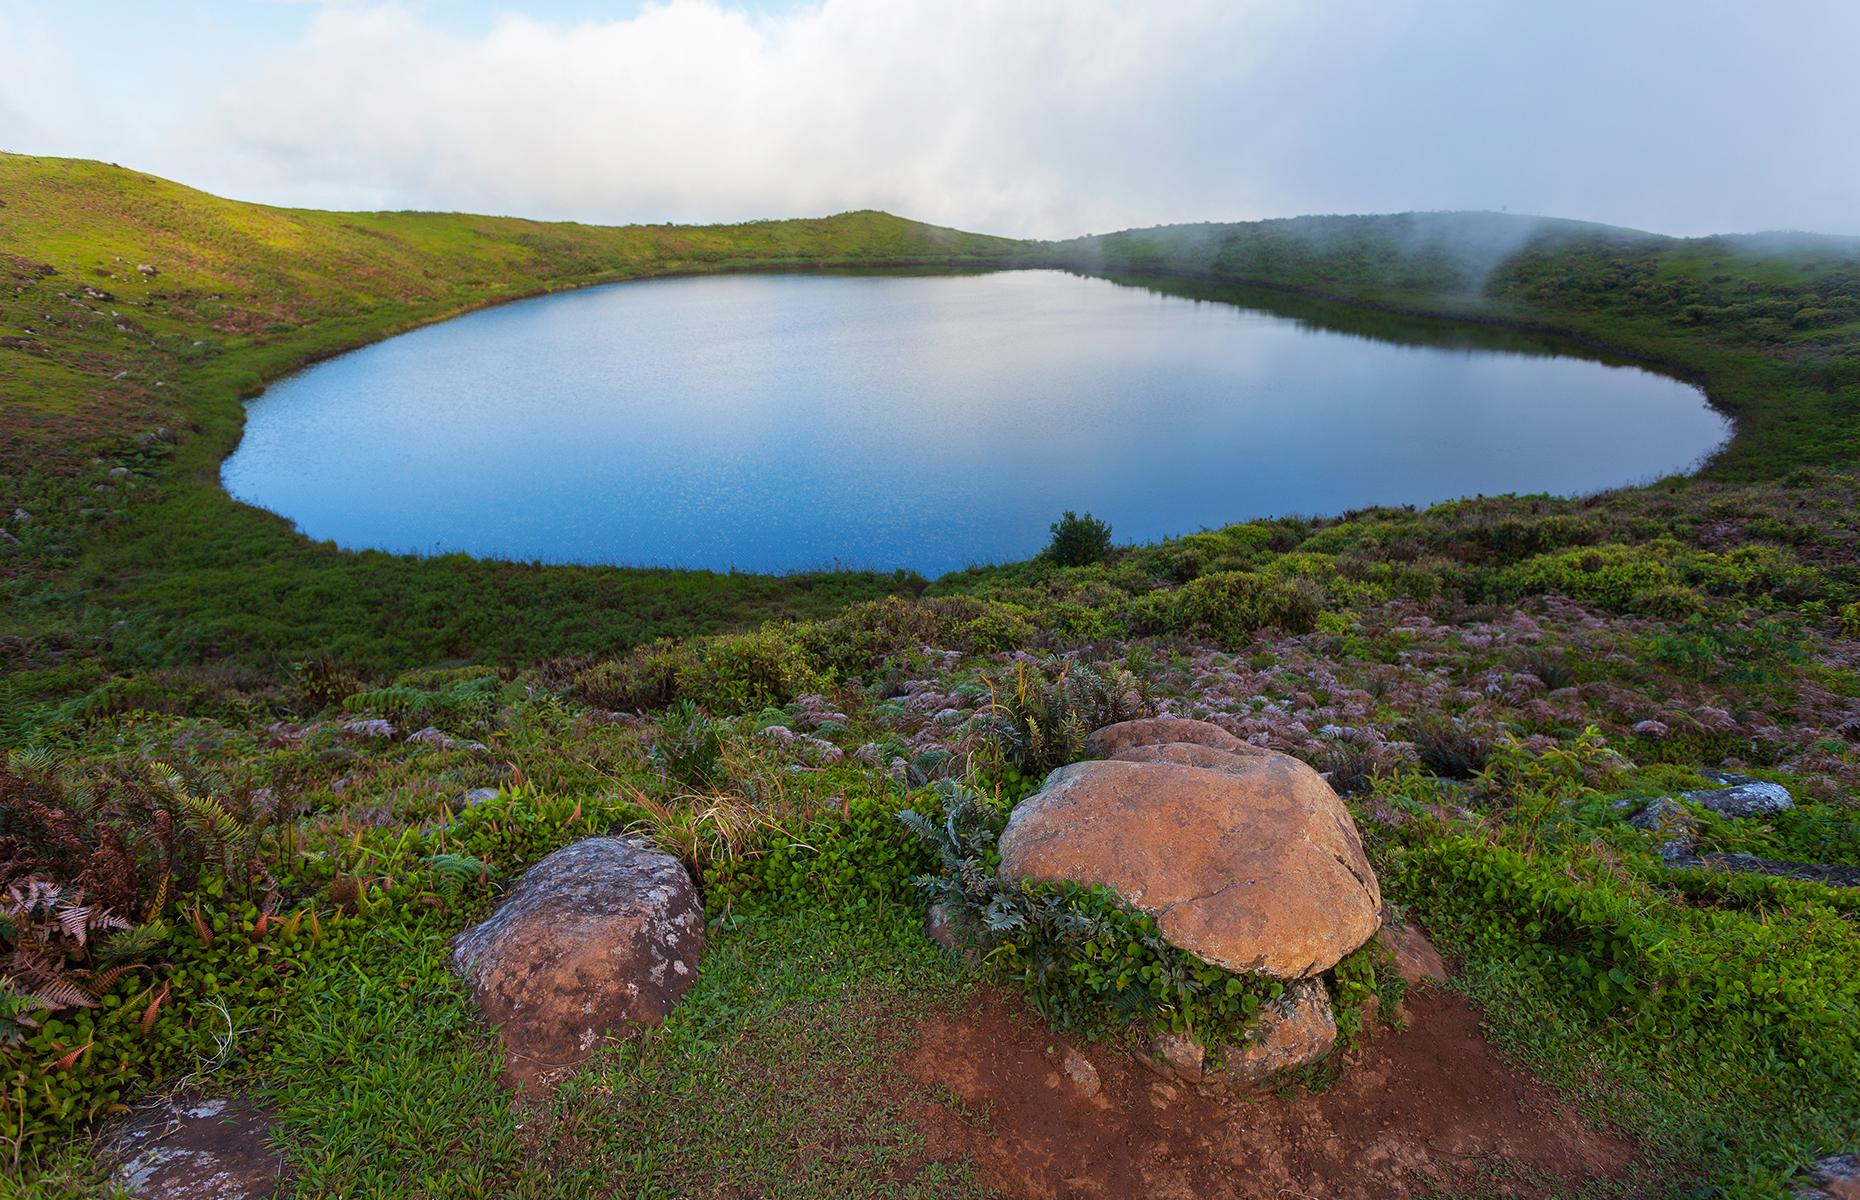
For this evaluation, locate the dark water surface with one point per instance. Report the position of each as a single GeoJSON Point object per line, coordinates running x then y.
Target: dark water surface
{"type": "Point", "coordinates": [770, 422]}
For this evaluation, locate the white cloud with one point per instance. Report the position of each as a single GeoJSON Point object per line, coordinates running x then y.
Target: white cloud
{"type": "Point", "coordinates": [1025, 117]}
{"type": "Point", "coordinates": [1035, 118]}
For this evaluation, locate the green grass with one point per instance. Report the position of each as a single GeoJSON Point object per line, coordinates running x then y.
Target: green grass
{"type": "Point", "coordinates": [772, 1075]}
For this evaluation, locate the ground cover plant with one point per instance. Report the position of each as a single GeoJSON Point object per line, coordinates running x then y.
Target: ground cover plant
{"type": "Point", "coordinates": [253, 783]}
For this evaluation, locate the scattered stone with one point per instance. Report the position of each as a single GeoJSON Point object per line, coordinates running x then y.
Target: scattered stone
{"type": "Point", "coordinates": [1083, 1075]}
{"type": "Point", "coordinates": [1836, 1177]}
{"type": "Point", "coordinates": [439, 741]}
{"type": "Point", "coordinates": [1832, 874]}
{"type": "Point", "coordinates": [1415, 956]}
{"type": "Point", "coordinates": [8, 539]}
{"type": "Point", "coordinates": [1183, 1053]}
{"type": "Point", "coordinates": [1297, 1028]}
{"type": "Point", "coordinates": [1746, 797]}
{"type": "Point", "coordinates": [146, 269]}
{"type": "Point", "coordinates": [476, 796]}
{"type": "Point", "coordinates": [600, 936]}
{"type": "Point", "coordinates": [20, 514]}
{"type": "Point", "coordinates": [1671, 825]}
{"type": "Point", "coordinates": [949, 930]}
{"type": "Point", "coordinates": [1156, 731]}
{"type": "Point", "coordinates": [179, 1149]}
{"type": "Point", "coordinates": [1257, 868]}
{"type": "Point", "coordinates": [816, 750]}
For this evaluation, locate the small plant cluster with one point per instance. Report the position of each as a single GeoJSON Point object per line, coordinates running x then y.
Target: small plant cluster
{"type": "Point", "coordinates": [850, 863]}
{"type": "Point", "coordinates": [1040, 718]}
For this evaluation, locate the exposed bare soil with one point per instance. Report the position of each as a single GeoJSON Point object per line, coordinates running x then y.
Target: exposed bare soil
{"type": "Point", "coordinates": [1428, 1111]}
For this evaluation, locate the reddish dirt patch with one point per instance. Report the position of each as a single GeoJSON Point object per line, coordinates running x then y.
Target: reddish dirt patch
{"type": "Point", "coordinates": [1426, 1111]}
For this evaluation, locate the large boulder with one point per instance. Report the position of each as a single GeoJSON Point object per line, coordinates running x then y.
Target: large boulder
{"type": "Point", "coordinates": [1253, 867]}
{"type": "Point", "coordinates": [1189, 754]}
{"type": "Point", "coordinates": [1111, 740]}
{"type": "Point", "coordinates": [598, 937]}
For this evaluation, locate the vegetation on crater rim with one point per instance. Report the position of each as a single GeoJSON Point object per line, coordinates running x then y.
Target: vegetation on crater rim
{"type": "Point", "coordinates": [255, 751]}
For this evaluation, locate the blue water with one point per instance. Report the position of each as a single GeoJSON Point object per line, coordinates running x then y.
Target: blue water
{"type": "Point", "coordinates": [776, 422]}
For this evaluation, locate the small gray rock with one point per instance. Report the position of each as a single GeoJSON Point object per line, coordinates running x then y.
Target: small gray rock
{"type": "Point", "coordinates": [1746, 799]}
{"type": "Point", "coordinates": [1835, 1177]}
{"type": "Point", "coordinates": [1670, 823]}
{"type": "Point", "coordinates": [1184, 1054]}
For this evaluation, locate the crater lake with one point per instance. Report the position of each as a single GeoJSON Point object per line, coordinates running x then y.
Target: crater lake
{"type": "Point", "coordinates": [927, 421]}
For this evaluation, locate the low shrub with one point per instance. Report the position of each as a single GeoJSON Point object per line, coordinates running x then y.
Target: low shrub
{"type": "Point", "coordinates": [1448, 746]}
{"type": "Point", "coordinates": [729, 673]}
{"type": "Point", "coordinates": [1078, 541]}
{"type": "Point", "coordinates": [1230, 606]}
{"type": "Point", "coordinates": [1039, 718]}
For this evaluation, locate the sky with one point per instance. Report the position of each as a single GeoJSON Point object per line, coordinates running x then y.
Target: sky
{"type": "Point", "coordinates": [1027, 118]}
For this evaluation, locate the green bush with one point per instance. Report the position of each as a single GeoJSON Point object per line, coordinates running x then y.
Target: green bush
{"type": "Point", "coordinates": [646, 678]}
{"type": "Point", "coordinates": [1078, 541]}
{"type": "Point", "coordinates": [1230, 606]}
{"type": "Point", "coordinates": [727, 673]}
{"type": "Point", "coordinates": [1711, 646]}
{"type": "Point", "coordinates": [748, 672]}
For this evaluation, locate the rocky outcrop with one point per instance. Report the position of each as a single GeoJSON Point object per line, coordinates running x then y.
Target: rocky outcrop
{"type": "Point", "coordinates": [597, 938]}
{"type": "Point", "coordinates": [1252, 867]}
{"type": "Point", "coordinates": [1744, 797]}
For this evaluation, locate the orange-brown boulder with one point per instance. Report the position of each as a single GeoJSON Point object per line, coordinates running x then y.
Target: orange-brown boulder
{"type": "Point", "coordinates": [599, 937]}
{"type": "Point", "coordinates": [1255, 867]}
{"type": "Point", "coordinates": [1188, 754]}
{"type": "Point", "coordinates": [1112, 740]}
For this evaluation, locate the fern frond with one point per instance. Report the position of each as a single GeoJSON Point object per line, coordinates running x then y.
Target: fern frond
{"type": "Point", "coordinates": [456, 870]}
{"type": "Point", "coordinates": [132, 945]}
{"type": "Point", "coordinates": [75, 921]}
{"type": "Point", "coordinates": [217, 829]}
{"type": "Point", "coordinates": [62, 992]}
